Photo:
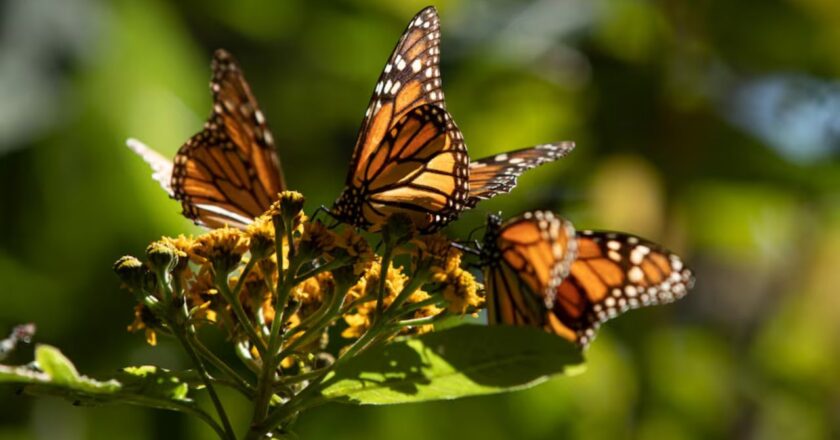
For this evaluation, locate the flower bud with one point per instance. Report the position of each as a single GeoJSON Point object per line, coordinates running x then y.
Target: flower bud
{"type": "Point", "coordinates": [286, 212]}
{"type": "Point", "coordinates": [134, 274]}
{"type": "Point", "coordinates": [223, 247]}
{"type": "Point", "coordinates": [261, 235]}
{"type": "Point", "coordinates": [316, 241]}
{"type": "Point", "coordinates": [162, 256]}
{"type": "Point", "coordinates": [182, 245]}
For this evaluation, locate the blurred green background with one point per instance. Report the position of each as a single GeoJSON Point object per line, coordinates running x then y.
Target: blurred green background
{"type": "Point", "coordinates": [711, 126]}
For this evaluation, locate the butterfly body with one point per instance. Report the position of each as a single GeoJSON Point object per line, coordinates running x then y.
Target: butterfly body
{"type": "Point", "coordinates": [526, 257]}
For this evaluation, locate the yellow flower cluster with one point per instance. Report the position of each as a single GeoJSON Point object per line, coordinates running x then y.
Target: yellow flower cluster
{"type": "Point", "coordinates": [363, 297]}
{"type": "Point", "coordinates": [460, 289]}
{"type": "Point", "coordinates": [324, 261]}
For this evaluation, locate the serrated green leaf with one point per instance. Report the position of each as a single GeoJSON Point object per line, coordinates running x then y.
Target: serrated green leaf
{"type": "Point", "coordinates": [463, 361]}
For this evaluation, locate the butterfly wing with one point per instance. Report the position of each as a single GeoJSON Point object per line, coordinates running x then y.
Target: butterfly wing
{"type": "Point", "coordinates": [410, 156]}
{"type": "Point", "coordinates": [419, 169]}
{"type": "Point", "coordinates": [410, 79]}
{"type": "Point", "coordinates": [229, 172]}
{"type": "Point", "coordinates": [495, 175]}
{"type": "Point", "coordinates": [161, 166]}
{"type": "Point", "coordinates": [528, 258]}
{"type": "Point", "coordinates": [613, 273]}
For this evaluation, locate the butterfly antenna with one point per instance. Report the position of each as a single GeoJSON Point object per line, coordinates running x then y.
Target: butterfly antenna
{"type": "Point", "coordinates": [467, 249]}
{"type": "Point", "coordinates": [469, 237]}
{"type": "Point", "coordinates": [324, 209]}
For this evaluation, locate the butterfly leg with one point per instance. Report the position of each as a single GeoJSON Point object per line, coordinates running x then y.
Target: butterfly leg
{"type": "Point", "coordinates": [324, 209]}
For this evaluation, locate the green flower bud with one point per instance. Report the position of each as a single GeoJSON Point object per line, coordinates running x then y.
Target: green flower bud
{"type": "Point", "coordinates": [162, 256]}
{"type": "Point", "coordinates": [286, 212]}
{"type": "Point", "coordinates": [134, 274]}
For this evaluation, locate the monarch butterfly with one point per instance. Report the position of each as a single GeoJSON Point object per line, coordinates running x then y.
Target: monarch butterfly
{"type": "Point", "coordinates": [229, 172]}
{"type": "Point", "coordinates": [410, 157]}
{"type": "Point", "coordinates": [539, 272]}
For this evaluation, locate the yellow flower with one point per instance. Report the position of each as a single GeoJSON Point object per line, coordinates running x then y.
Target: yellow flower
{"type": "Point", "coordinates": [366, 287]}
{"type": "Point", "coordinates": [369, 282]}
{"type": "Point", "coordinates": [424, 312]}
{"type": "Point", "coordinates": [310, 293]}
{"type": "Point", "coordinates": [202, 297]}
{"type": "Point", "coordinates": [287, 211]}
{"type": "Point", "coordinates": [316, 240]}
{"type": "Point", "coordinates": [261, 237]}
{"type": "Point", "coordinates": [461, 292]}
{"type": "Point", "coordinates": [437, 250]}
{"type": "Point", "coordinates": [359, 322]}
{"type": "Point", "coordinates": [459, 286]}
{"type": "Point", "coordinates": [255, 296]}
{"type": "Point", "coordinates": [144, 319]}
{"type": "Point", "coordinates": [183, 247]}
{"type": "Point", "coordinates": [357, 248]}
{"type": "Point", "coordinates": [223, 247]}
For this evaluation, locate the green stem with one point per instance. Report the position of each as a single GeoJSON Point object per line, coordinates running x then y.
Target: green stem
{"type": "Point", "coordinates": [413, 307]}
{"type": "Point", "coordinates": [291, 380]}
{"type": "Point", "coordinates": [423, 321]}
{"type": "Point", "coordinates": [383, 275]}
{"type": "Point", "coordinates": [241, 282]}
{"type": "Point", "coordinates": [238, 381]}
{"type": "Point", "coordinates": [322, 318]}
{"type": "Point", "coordinates": [265, 382]}
{"type": "Point", "coordinates": [421, 275]}
{"type": "Point", "coordinates": [171, 405]}
{"type": "Point", "coordinates": [202, 371]}
{"type": "Point", "coordinates": [335, 264]}
{"type": "Point", "coordinates": [241, 316]}
{"type": "Point", "coordinates": [244, 355]}
{"type": "Point", "coordinates": [289, 282]}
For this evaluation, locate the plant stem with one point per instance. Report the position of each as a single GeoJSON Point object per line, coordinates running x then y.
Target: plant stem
{"type": "Point", "coordinates": [152, 402]}
{"type": "Point", "coordinates": [383, 275]}
{"type": "Point", "coordinates": [321, 319]}
{"type": "Point", "coordinates": [240, 383]}
{"type": "Point", "coordinates": [241, 282]}
{"type": "Point", "coordinates": [421, 275]}
{"type": "Point", "coordinates": [335, 264]}
{"type": "Point", "coordinates": [244, 321]}
{"type": "Point", "coordinates": [230, 434]}
{"type": "Point", "coordinates": [433, 301]}
{"type": "Point", "coordinates": [285, 278]}
{"type": "Point", "coordinates": [423, 321]}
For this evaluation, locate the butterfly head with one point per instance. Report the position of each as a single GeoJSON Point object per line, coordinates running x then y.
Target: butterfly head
{"type": "Point", "coordinates": [490, 246]}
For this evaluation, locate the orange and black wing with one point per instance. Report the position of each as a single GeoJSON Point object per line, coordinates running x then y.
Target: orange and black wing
{"type": "Point", "coordinates": [613, 273]}
{"type": "Point", "coordinates": [410, 157]}
{"type": "Point", "coordinates": [228, 173]}
{"type": "Point", "coordinates": [410, 79]}
{"type": "Point", "coordinates": [497, 174]}
{"type": "Point", "coordinates": [419, 169]}
{"type": "Point", "coordinates": [525, 260]}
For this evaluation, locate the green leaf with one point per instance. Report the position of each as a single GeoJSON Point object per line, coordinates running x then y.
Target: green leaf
{"type": "Point", "coordinates": [55, 375]}
{"type": "Point", "coordinates": [463, 361]}
{"type": "Point", "coordinates": [56, 365]}
{"type": "Point", "coordinates": [154, 381]}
